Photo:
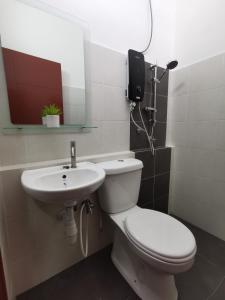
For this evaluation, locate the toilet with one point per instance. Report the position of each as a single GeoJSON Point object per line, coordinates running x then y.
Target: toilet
{"type": "Point", "coordinates": [149, 247]}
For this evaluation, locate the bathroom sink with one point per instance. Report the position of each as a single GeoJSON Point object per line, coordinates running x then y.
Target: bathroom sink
{"type": "Point", "coordinates": [63, 186]}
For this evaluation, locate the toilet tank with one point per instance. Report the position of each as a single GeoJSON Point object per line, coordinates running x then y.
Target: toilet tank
{"type": "Point", "coordinates": [120, 189]}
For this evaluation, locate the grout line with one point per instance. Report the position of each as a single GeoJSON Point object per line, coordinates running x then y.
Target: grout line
{"type": "Point", "coordinates": [146, 178]}
{"type": "Point", "coordinates": [207, 259]}
{"type": "Point", "coordinates": [160, 174]}
{"type": "Point", "coordinates": [216, 289]}
{"type": "Point", "coordinates": [148, 150]}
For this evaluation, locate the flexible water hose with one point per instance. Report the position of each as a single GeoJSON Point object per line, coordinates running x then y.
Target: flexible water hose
{"type": "Point", "coordinates": [132, 118]}
{"type": "Point", "coordinates": [149, 138]}
{"type": "Point", "coordinates": [84, 251]}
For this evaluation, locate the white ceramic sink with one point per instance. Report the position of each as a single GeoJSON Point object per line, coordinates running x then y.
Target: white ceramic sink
{"type": "Point", "coordinates": [63, 186]}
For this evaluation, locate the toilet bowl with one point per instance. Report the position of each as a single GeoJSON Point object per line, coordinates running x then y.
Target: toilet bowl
{"type": "Point", "coordinates": [149, 247]}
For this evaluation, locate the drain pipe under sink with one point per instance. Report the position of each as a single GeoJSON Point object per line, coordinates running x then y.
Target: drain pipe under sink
{"type": "Point", "coordinates": [70, 225]}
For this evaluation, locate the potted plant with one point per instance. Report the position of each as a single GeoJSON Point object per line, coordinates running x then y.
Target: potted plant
{"type": "Point", "coordinates": [50, 115]}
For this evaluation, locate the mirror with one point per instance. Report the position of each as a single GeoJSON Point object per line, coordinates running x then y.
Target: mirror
{"type": "Point", "coordinates": [43, 58]}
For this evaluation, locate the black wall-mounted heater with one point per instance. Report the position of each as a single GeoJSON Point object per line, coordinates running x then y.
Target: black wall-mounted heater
{"type": "Point", "coordinates": [135, 76]}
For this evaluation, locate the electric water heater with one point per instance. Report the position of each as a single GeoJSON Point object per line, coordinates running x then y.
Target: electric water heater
{"type": "Point", "coordinates": [136, 76]}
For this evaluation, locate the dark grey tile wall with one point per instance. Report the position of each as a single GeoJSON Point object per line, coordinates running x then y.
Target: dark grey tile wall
{"type": "Point", "coordinates": [154, 189]}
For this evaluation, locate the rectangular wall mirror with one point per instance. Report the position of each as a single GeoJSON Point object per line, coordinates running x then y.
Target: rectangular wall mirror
{"type": "Point", "coordinates": [43, 64]}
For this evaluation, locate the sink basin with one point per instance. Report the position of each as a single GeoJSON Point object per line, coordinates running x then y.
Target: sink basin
{"type": "Point", "coordinates": [63, 186]}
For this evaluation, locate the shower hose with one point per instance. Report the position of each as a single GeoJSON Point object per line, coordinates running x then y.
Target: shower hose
{"type": "Point", "coordinates": [84, 248]}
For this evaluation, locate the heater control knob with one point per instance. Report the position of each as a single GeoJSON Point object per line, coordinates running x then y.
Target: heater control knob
{"type": "Point", "coordinates": [138, 89]}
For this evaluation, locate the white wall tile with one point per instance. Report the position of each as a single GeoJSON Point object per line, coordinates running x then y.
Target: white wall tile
{"type": "Point", "coordinates": [46, 147]}
{"type": "Point", "coordinates": [12, 149]}
{"type": "Point", "coordinates": [113, 68]}
{"type": "Point", "coordinates": [218, 200]}
{"type": "Point", "coordinates": [107, 66]}
{"type": "Point", "coordinates": [115, 106]}
{"type": "Point", "coordinates": [203, 162]}
{"type": "Point", "coordinates": [177, 134]}
{"type": "Point", "coordinates": [203, 105]}
{"type": "Point", "coordinates": [202, 134]}
{"type": "Point", "coordinates": [182, 160]}
{"type": "Point", "coordinates": [20, 236]}
{"type": "Point", "coordinates": [206, 74]}
{"type": "Point", "coordinates": [97, 63]}
{"type": "Point", "coordinates": [220, 135]}
{"type": "Point", "coordinates": [220, 105]}
{"type": "Point", "coordinates": [177, 108]}
{"type": "Point", "coordinates": [16, 202]}
{"type": "Point", "coordinates": [179, 82]}
{"type": "Point", "coordinates": [118, 131]}
{"type": "Point", "coordinates": [198, 168]}
{"type": "Point", "coordinates": [96, 101]}
{"type": "Point", "coordinates": [219, 157]}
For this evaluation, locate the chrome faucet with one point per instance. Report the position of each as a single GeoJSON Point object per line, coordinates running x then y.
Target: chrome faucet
{"type": "Point", "coordinates": [73, 154]}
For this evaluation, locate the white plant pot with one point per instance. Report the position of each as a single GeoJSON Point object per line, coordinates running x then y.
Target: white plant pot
{"type": "Point", "coordinates": [52, 121]}
{"type": "Point", "coordinates": [44, 121]}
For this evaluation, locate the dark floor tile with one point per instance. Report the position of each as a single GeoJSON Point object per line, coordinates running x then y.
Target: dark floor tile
{"type": "Point", "coordinates": [148, 161]}
{"type": "Point", "coordinates": [138, 140]}
{"type": "Point", "coordinates": [162, 183]}
{"type": "Point", "coordinates": [146, 194]}
{"type": "Point", "coordinates": [209, 246]}
{"type": "Point", "coordinates": [161, 106]}
{"type": "Point", "coordinates": [162, 87]}
{"type": "Point", "coordinates": [219, 294]}
{"type": "Point", "coordinates": [92, 279]}
{"type": "Point", "coordinates": [199, 282]}
{"type": "Point", "coordinates": [162, 160]}
{"type": "Point", "coordinates": [96, 278]}
{"type": "Point", "coordinates": [160, 135]}
{"type": "Point", "coordinates": [161, 204]}
{"type": "Point", "coordinates": [133, 297]}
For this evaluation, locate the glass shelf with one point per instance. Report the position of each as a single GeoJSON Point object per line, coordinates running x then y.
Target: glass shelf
{"type": "Point", "coordinates": [11, 129]}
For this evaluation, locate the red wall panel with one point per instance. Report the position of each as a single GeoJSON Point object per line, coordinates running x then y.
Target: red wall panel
{"type": "Point", "coordinates": [3, 294]}
{"type": "Point", "coordinates": [32, 82]}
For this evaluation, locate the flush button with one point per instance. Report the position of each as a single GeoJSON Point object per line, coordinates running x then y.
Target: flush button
{"type": "Point", "coordinates": [120, 160]}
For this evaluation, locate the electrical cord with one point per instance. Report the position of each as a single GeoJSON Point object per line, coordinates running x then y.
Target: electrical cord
{"type": "Point", "coordinates": [151, 30]}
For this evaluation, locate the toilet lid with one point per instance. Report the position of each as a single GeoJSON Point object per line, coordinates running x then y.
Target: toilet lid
{"type": "Point", "coordinates": [160, 235]}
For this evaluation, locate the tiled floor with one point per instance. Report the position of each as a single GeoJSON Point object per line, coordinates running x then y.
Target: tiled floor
{"type": "Point", "coordinates": [96, 278]}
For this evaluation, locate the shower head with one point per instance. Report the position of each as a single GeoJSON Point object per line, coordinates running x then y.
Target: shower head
{"type": "Point", "coordinates": [170, 66]}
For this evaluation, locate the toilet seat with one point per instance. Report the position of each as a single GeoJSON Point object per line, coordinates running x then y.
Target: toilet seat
{"type": "Point", "coordinates": [160, 236]}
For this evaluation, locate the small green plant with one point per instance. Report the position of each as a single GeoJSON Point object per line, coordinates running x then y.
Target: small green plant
{"type": "Point", "coordinates": [51, 109]}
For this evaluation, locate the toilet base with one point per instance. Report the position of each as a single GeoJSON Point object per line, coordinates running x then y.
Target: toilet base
{"type": "Point", "coordinates": [147, 282]}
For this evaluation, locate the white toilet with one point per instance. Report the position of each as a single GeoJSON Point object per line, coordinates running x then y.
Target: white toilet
{"type": "Point", "coordinates": [149, 247]}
